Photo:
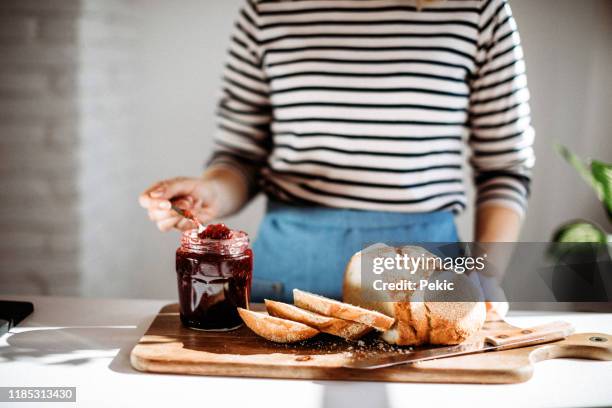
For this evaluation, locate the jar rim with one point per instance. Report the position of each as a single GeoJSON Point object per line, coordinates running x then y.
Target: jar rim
{"type": "Point", "coordinates": [235, 245]}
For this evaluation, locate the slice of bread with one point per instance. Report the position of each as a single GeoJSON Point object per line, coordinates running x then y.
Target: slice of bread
{"type": "Point", "coordinates": [276, 329]}
{"type": "Point", "coordinates": [334, 308]}
{"type": "Point", "coordinates": [331, 325]}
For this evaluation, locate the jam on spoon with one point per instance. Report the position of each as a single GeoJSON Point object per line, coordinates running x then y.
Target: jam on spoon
{"type": "Point", "coordinates": [190, 216]}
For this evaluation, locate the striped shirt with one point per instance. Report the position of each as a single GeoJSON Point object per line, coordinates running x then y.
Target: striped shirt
{"type": "Point", "coordinates": [369, 104]}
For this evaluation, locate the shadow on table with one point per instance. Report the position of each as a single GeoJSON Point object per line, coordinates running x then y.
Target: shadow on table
{"type": "Point", "coordinates": [71, 344]}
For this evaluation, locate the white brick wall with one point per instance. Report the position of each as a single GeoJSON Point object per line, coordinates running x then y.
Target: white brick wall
{"type": "Point", "coordinates": [61, 68]}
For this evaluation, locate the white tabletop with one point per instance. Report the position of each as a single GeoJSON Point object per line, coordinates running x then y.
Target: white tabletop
{"type": "Point", "coordinates": [85, 343]}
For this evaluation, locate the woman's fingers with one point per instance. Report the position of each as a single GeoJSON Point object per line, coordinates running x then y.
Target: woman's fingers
{"type": "Point", "coordinates": [186, 193]}
{"type": "Point", "coordinates": [145, 199]}
{"type": "Point", "coordinates": [185, 224]}
{"type": "Point", "coordinates": [176, 187]}
{"type": "Point", "coordinates": [163, 218]}
{"type": "Point", "coordinates": [155, 204]}
{"type": "Point", "coordinates": [167, 224]}
{"type": "Point", "coordinates": [160, 215]}
{"type": "Point", "coordinates": [160, 194]}
{"type": "Point", "coordinates": [166, 220]}
{"type": "Point", "coordinates": [185, 202]}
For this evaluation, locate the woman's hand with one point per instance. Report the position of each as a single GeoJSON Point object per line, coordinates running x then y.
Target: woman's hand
{"type": "Point", "coordinates": [220, 192]}
{"type": "Point", "coordinates": [196, 194]}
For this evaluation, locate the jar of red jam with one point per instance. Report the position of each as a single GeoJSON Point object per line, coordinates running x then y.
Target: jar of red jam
{"type": "Point", "coordinates": [214, 270]}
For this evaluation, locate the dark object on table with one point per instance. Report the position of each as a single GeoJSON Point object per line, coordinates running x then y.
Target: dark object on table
{"type": "Point", "coordinates": [12, 313]}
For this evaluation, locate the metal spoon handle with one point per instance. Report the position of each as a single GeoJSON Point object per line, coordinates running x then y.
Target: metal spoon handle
{"type": "Point", "coordinates": [189, 215]}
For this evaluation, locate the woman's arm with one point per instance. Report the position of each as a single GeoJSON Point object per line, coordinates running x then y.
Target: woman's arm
{"type": "Point", "coordinates": [501, 139]}
{"type": "Point", "coordinates": [230, 188]}
{"type": "Point", "coordinates": [501, 136]}
{"type": "Point", "coordinates": [497, 224]}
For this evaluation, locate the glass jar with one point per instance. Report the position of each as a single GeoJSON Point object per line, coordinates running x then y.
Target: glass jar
{"type": "Point", "coordinates": [214, 278]}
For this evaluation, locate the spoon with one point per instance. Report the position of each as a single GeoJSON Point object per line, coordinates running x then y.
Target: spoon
{"type": "Point", "coordinates": [189, 215]}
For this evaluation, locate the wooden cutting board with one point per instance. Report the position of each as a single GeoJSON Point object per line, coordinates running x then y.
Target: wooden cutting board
{"type": "Point", "coordinates": [168, 347]}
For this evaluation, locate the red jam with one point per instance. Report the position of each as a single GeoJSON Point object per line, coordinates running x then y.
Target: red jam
{"type": "Point", "coordinates": [214, 278]}
{"type": "Point", "coordinates": [216, 231]}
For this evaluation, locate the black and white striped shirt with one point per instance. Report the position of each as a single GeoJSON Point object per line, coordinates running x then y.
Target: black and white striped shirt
{"type": "Point", "coordinates": [368, 104]}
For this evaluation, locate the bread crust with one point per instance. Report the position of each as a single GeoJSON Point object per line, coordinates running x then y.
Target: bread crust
{"type": "Point", "coordinates": [338, 327]}
{"type": "Point", "coordinates": [346, 311]}
{"type": "Point", "coordinates": [276, 329]}
{"type": "Point", "coordinates": [454, 322]}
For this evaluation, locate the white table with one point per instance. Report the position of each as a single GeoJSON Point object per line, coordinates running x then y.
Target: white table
{"type": "Point", "coordinates": [86, 343]}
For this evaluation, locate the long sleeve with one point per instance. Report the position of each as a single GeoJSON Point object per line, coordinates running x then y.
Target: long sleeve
{"type": "Point", "coordinates": [501, 136]}
{"type": "Point", "coordinates": [243, 135]}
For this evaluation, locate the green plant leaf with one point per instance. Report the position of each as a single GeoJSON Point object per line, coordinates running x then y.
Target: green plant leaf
{"type": "Point", "coordinates": [581, 168]}
{"type": "Point", "coordinates": [602, 173]}
{"type": "Point", "coordinates": [580, 231]}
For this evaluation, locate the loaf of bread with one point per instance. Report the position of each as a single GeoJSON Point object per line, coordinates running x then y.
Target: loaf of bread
{"type": "Point", "coordinates": [420, 318]}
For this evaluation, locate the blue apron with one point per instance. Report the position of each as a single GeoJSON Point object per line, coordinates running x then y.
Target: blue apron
{"type": "Point", "coordinates": [308, 247]}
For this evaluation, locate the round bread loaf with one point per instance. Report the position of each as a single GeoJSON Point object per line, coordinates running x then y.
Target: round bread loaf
{"type": "Point", "coordinates": [421, 317]}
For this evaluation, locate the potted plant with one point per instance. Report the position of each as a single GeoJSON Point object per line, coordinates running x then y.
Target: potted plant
{"type": "Point", "coordinates": [581, 249]}
{"type": "Point", "coordinates": [598, 175]}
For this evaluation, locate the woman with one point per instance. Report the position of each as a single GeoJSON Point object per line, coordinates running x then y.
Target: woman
{"type": "Point", "coordinates": [352, 116]}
